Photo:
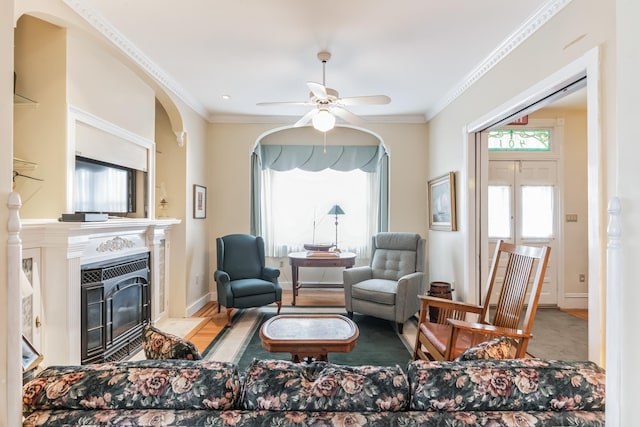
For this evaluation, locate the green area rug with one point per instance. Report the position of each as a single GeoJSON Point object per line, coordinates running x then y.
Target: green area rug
{"type": "Point", "coordinates": [378, 343]}
{"type": "Point", "coordinates": [556, 335]}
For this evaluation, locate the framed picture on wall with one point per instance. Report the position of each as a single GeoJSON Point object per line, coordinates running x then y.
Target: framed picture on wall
{"type": "Point", "coordinates": [442, 203]}
{"type": "Point", "coordinates": [199, 201]}
{"type": "Point", "coordinates": [30, 356]}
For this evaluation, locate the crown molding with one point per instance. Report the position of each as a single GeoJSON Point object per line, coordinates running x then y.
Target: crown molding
{"type": "Point", "coordinates": [527, 29]}
{"type": "Point", "coordinates": [100, 24]}
{"type": "Point", "coordinates": [238, 118]}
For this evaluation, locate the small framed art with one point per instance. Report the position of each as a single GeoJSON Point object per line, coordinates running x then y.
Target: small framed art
{"type": "Point", "coordinates": [199, 201]}
{"type": "Point", "coordinates": [30, 356]}
{"type": "Point", "coordinates": [442, 202]}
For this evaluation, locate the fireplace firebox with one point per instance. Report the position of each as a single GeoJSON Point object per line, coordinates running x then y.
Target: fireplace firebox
{"type": "Point", "coordinates": [116, 305]}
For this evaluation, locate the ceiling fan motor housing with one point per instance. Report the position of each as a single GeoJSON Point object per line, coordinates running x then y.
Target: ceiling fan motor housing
{"type": "Point", "coordinates": [324, 56]}
{"type": "Point", "coordinates": [328, 103]}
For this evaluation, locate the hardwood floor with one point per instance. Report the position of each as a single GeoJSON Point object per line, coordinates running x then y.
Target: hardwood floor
{"type": "Point", "coordinates": [578, 312]}
{"type": "Point", "coordinates": [207, 330]}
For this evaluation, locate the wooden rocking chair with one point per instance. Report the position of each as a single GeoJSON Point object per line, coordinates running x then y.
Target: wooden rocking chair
{"type": "Point", "coordinates": [450, 334]}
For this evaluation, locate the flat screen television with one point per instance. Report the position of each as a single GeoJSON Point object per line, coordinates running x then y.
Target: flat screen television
{"type": "Point", "coordinates": [103, 187]}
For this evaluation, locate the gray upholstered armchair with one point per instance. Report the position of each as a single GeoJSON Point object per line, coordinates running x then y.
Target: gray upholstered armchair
{"type": "Point", "coordinates": [241, 277]}
{"type": "Point", "coordinates": [388, 288]}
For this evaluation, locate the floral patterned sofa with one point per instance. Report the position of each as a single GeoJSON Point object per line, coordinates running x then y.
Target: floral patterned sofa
{"type": "Point", "coordinates": [523, 392]}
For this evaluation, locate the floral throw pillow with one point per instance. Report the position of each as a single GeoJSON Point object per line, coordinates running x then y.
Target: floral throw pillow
{"type": "Point", "coordinates": [495, 348]}
{"type": "Point", "coordinates": [161, 345]}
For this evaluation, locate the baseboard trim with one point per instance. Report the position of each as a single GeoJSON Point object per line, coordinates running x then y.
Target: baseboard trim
{"type": "Point", "coordinates": [579, 300]}
{"type": "Point", "coordinates": [198, 304]}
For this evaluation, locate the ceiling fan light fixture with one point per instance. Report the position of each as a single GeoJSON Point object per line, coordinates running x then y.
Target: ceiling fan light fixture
{"type": "Point", "coordinates": [323, 121]}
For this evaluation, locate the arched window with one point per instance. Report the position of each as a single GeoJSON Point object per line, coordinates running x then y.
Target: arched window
{"type": "Point", "coordinates": [295, 186]}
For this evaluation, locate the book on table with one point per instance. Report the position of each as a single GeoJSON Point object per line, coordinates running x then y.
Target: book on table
{"type": "Point", "coordinates": [322, 254]}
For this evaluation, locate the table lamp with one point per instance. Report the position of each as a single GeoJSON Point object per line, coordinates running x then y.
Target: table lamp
{"type": "Point", "coordinates": [336, 210]}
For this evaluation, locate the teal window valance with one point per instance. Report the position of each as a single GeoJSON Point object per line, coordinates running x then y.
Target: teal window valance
{"type": "Point", "coordinates": [315, 158]}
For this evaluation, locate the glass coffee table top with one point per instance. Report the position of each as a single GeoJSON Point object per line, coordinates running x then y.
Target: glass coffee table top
{"type": "Point", "coordinates": [309, 327]}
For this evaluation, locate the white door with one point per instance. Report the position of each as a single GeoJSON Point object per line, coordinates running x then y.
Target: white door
{"type": "Point", "coordinates": [523, 209]}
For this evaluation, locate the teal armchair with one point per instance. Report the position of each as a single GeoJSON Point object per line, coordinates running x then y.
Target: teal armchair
{"type": "Point", "coordinates": [242, 279]}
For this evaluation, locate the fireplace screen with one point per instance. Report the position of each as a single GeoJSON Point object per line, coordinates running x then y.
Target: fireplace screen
{"type": "Point", "coordinates": [116, 304]}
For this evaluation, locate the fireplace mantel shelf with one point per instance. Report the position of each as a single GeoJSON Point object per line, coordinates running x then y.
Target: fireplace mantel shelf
{"type": "Point", "coordinates": [111, 223]}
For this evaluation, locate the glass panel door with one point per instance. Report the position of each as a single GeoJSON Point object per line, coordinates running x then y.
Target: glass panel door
{"type": "Point", "coordinates": [522, 209]}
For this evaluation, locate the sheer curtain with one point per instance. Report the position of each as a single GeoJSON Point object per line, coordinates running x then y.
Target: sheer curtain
{"type": "Point", "coordinates": [294, 187]}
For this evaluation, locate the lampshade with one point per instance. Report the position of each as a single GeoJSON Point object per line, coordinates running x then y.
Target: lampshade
{"type": "Point", "coordinates": [335, 210]}
{"type": "Point", "coordinates": [323, 121]}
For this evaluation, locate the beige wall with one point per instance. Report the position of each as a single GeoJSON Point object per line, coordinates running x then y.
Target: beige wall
{"type": "Point", "coordinates": [41, 130]}
{"type": "Point", "coordinates": [59, 68]}
{"type": "Point", "coordinates": [170, 172]}
{"type": "Point", "coordinates": [67, 66]}
{"type": "Point", "coordinates": [196, 247]}
{"type": "Point", "coordinates": [574, 258]}
{"type": "Point", "coordinates": [229, 159]}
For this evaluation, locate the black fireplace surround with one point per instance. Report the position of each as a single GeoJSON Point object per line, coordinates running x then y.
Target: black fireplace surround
{"type": "Point", "coordinates": [116, 305]}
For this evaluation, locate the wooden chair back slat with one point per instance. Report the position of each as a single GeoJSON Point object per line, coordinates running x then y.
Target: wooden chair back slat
{"type": "Point", "coordinates": [511, 311]}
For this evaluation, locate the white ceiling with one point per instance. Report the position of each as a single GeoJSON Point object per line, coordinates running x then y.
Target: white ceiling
{"type": "Point", "coordinates": [421, 53]}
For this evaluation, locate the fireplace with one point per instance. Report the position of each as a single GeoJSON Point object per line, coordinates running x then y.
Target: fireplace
{"type": "Point", "coordinates": [116, 305]}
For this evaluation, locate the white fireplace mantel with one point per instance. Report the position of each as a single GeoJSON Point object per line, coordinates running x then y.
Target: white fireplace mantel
{"type": "Point", "coordinates": [64, 247]}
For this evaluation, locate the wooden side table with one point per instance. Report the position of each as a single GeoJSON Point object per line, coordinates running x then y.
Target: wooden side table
{"type": "Point", "coordinates": [309, 337]}
{"type": "Point", "coordinates": [301, 259]}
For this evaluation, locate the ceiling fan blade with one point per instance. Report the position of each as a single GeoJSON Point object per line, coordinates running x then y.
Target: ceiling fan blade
{"type": "Point", "coordinates": [306, 118]}
{"type": "Point", "coordinates": [365, 100]}
{"type": "Point", "coordinates": [347, 116]}
{"type": "Point", "coordinates": [287, 103]}
{"type": "Point", "coordinates": [318, 90]}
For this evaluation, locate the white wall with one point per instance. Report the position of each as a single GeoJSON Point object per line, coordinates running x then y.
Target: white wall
{"type": "Point", "coordinates": [101, 84]}
{"type": "Point", "coordinates": [625, 176]}
{"type": "Point", "coordinates": [578, 28]}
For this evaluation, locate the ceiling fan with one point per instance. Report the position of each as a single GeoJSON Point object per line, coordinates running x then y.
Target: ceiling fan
{"type": "Point", "coordinates": [328, 104]}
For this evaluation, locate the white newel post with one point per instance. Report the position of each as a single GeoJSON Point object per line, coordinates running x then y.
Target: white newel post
{"type": "Point", "coordinates": [13, 311]}
{"type": "Point", "coordinates": [614, 292]}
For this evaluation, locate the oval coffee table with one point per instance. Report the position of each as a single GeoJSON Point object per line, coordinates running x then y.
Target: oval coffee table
{"type": "Point", "coordinates": [309, 337]}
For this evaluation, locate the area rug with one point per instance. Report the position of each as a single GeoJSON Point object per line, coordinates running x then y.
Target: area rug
{"type": "Point", "coordinates": [558, 335]}
{"type": "Point", "coordinates": [378, 342]}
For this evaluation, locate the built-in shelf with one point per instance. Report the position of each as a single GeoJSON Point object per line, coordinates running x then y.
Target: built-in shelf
{"type": "Point", "coordinates": [22, 165]}
{"type": "Point", "coordinates": [23, 100]}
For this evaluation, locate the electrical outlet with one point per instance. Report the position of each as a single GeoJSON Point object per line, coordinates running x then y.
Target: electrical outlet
{"type": "Point", "coordinates": [582, 278]}
{"type": "Point", "coordinates": [281, 264]}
